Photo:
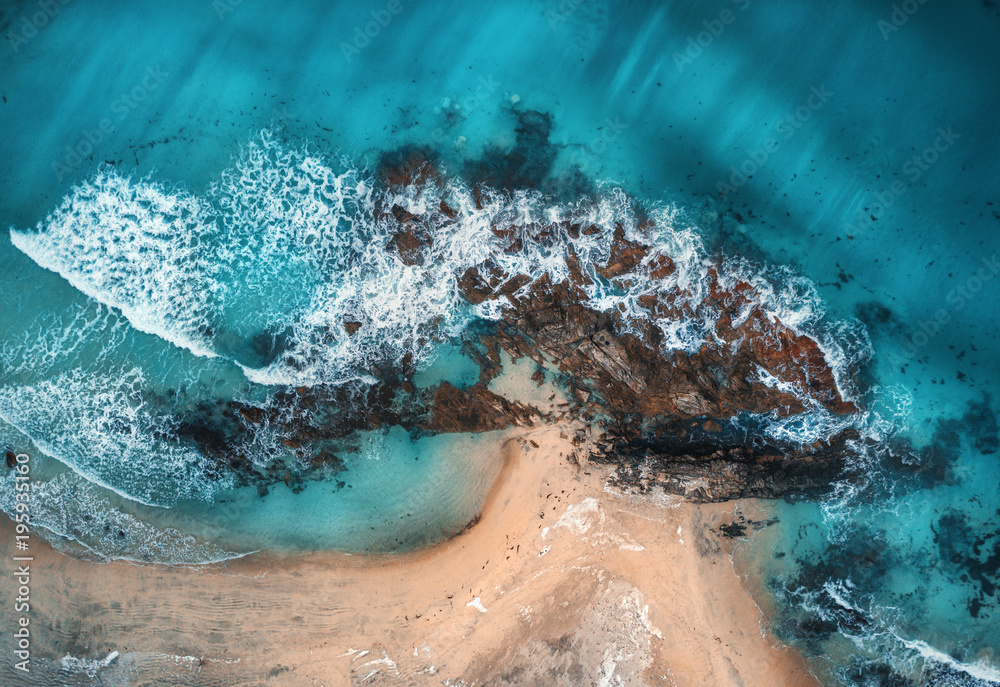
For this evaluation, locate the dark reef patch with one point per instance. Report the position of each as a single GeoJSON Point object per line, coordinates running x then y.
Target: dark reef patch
{"type": "Point", "coordinates": [526, 165]}
{"type": "Point", "coordinates": [932, 464]}
{"type": "Point", "coordinates": [974, 553]}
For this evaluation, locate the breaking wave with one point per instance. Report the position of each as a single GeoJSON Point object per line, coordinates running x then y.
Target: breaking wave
{"type": "Point", "coordinates": [81, 520]}
{"type": "Point", "coordinates": [875, 632]}
{"type": "Point", "coordinates": [267, 266]}
{"type": "Point", "coordinates": [104, 429]}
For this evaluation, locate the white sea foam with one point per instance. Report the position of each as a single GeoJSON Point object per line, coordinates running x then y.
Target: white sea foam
{"type": "Point", "coordinates": [103, 429]}
{"type": "Point", "coordinates": [135, 246]}
{"type": "Point", "coordinates": [887, 412]}
{"type": "Point", "coordinates": [75, 512]}
{"type": "Point", "coordinates": [981, 670]}
{"type": "Point", "coordinates": [269, 263]}
{"type": "Point", "coordinates": [879, 638]}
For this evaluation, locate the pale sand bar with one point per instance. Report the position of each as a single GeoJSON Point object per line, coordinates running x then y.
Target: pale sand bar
{"type": "Point", "coordinates": [560, 583]}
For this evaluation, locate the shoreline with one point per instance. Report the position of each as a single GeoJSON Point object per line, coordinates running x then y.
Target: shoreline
{"type": "Point", "coordinates": [560, 581]}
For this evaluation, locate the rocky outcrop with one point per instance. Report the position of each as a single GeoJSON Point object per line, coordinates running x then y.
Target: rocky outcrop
{"type": "Point", "coordinates": [719, 470]}
{"type": "Point", "coordinates": [632, 375]}
{"type": "Point", "coordinates": [662, 412]}
{"type": "Point", "coordinates": [411, 240]}
{"type": "Point", "coordinates": [315, 425]}
{"type": "Point", "coordinates": [755, 365]}
{"type": "Point", "coordinates": [475, 410]}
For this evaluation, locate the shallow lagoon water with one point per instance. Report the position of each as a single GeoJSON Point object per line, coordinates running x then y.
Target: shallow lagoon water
{"type": "Point", "coordinates": [186, 85]}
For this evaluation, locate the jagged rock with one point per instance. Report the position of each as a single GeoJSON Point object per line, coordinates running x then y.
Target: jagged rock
{"type": "Point", "coordinates": [633, 375]}
{"type": "Point", "coordinates": [538, 377]}
{"type": "Point", "coordinates": [328, 460]}
{"type": "Point", "coordinates": [408, 165]}
{"type": "Point", "coordinates": [475, 410]}
{"type": "Point", "coordinates": [706, 471]}
{"type": "Point", "coordinates": [402, 215]}
{"type": "Point", "coordinates": [409, 244]}
{"type": "Point", "coordinates": [625, 255]}
{"type": "Point", "coordinates": [251, 414]}
{"type": "Point", "coordinates": [664, 413]}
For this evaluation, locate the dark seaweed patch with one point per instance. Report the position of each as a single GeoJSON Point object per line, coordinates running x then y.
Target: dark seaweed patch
{"type": "Point", "coordinates": [970, 552]}
{"type": "Point", "coordinates": [526, 165]}
{"type": "Point", "coordinates": [738, 527]}
{"type": "Point", "coordinates": [863, 559]}
{"type": "Point", "coordinates": [877, 317]}
{"type": "Point", "coordinates": [931, 465]}
{"type": "Point", "coordinates": [981, 422]}
{"type": "Point", "coordinates": [877, 675]}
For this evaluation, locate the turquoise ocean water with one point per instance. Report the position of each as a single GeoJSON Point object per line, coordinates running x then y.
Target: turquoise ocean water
{"type": "Point", "coordinates": [183, 181]}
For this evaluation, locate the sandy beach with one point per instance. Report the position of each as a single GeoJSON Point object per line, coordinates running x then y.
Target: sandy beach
{"type": "Point", "coordinates": [560, 582]}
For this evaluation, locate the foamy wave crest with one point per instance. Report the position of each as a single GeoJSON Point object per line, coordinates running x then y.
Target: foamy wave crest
{"type": "Point", "coordinates": [265, 269]}
{"type": "Point", "coordinates": [268, 266]}
{"type": "Point", "coordinates": [79, 516]}
{"type": "Point", "coordinates": [104, 430]}
{"type": "Point", "coordinates": [874, 631]}
{"type": "Point", "coordinates": [136, 247]}
{"type": "Point", "coordinates": [979, 674]}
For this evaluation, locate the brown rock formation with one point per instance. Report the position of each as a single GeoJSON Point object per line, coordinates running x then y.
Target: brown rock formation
{"type": "Point", "coordinates": [665, 412]}
{"type": "Point", "coordinates": [633, 375]}
{"type": "Point", "coordinates": [630, 379]}
{"type": "Point", "coordinates": [475, 410]}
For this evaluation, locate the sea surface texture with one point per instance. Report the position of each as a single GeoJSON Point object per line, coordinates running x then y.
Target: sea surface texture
{"type": "Point", "coordinates": [207, 238]}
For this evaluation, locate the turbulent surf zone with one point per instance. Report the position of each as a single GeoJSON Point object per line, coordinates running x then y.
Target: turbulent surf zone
{"type": "Point", "coordinates": [316, 331]}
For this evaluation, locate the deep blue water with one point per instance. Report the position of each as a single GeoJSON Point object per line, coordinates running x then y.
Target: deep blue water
{"type": "Point", "coordinates": [854, 142]}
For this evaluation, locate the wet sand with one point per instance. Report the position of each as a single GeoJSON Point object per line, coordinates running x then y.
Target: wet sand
{"type": "Point", "coordinates": [559, 583]}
